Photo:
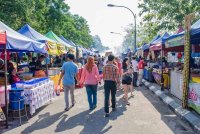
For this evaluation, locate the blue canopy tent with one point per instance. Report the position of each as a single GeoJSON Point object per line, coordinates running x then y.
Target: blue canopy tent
{"type": "Point", "coordinates": [155, 38]}
{"type": "Point", "coordinates": [19, 42]}
{"type": "Point", "coordinates": [195, 33]}
{"type": "Point", "coordinates": [158, 43]}
{"type": "Point", "coordinates": [145, 47]}
{"type": "Point", "coordinates": [29, 32]}
{"type": "Point", "coordinates": [68, 41]}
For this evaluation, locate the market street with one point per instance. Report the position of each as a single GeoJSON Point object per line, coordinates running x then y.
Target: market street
{"type": "Point", "coordinates": [146, 115]}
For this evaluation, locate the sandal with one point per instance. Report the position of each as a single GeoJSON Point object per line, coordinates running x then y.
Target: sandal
{"type": "Point", "coordinates": [128, 103]}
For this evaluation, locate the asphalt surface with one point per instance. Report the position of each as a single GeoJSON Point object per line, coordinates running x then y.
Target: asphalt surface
{"type": "Point", "coordinates": [146, 115]}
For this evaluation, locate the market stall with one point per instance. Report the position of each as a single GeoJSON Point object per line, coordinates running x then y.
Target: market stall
{"type": "Point", "coordinates": [161, 71]}
{"type": "Point", "coordinates": [16, 42]}
{"type": "Point", "coordinates": [194, 83]}
{"type": "Point", "coordinates": [53, 47]}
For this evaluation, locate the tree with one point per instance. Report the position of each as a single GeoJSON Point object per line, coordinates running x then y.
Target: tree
{"type": "Point", "coordinates": [46, 15]}
{"type": "Point", "coordinates": [142, 37]}
{"type": "Point", "coordinates": [161, 15]}
{"type": "Point", "coordinates": [97, 44]}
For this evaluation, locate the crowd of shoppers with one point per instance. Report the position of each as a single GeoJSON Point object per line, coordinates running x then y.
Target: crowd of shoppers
{"type": "Point", "coordinates": [111, 70]}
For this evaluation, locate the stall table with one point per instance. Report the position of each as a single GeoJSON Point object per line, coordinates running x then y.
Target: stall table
{"type": "Point", "coordinates": [39, 95]}
{"type": "Point", "coordinates": [157, 78]}
{"type": "Point", "coordinates": [176, 79]}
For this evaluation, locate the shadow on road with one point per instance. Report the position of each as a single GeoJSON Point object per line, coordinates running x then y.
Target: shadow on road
{"type": "Point", "coordinates": [92, 122]}
{"type": "Point", "coordinates": [167, 116]}
{"type": "Point", "coordinates": [44, 121]}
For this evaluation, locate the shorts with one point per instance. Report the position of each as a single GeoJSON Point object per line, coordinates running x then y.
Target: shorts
{"type": "Point", "coordinates": [125, 82]}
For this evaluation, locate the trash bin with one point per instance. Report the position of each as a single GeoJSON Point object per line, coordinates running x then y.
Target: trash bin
{"type": "Point", "coordinates": [16, 99]}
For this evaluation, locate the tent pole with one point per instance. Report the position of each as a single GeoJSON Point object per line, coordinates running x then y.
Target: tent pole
{"type": "Point", "coordinates": [47, 66]}
{"type": "Point", "coordinates": [5, 82]}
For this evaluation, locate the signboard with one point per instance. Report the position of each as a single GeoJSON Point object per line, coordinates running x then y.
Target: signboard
{"type": "Point", "coordinates": [2, 37]}
{"type": "Point", "coordinates": [52, 48]}
{"type": "Point", "coordinates": [194, 96]}
{"type": "Point", "coordinates": [2, 116]}
{"type": "Point", "coordinates": [178, 41]}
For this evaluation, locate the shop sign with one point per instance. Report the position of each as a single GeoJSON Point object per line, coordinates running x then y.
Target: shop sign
{"type": "Point", "coordinates": [2, 37]}
{"type": "Point", "coordinates": [194, 96]}
{"type": "Point", "coordinates": [178, 41]}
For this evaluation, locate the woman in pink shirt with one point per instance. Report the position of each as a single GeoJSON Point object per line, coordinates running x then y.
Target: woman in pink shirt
{"type": "Point", "coordinates": [90, 77]}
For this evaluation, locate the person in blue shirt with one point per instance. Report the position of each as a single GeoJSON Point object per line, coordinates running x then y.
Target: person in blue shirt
{"type": "Point", "coordinates": [69, 73]}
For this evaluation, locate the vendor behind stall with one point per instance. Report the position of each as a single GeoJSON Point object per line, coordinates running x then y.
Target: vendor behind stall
{"type": "Point", "coordinates": [13, 77]}
{"type": "Point", "coordinates": [32, 65]}
{"type": "Point", "coordinates": [39, 68]}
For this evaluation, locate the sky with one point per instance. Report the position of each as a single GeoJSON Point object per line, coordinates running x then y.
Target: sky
{"type": "Point", "coordinates": [103, 19]}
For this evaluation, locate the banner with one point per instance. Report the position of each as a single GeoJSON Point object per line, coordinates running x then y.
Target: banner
{"type": "Point", "coordinates": [2, 38]}
{"type": "Point", "coordinates": [61, 49]}
{"type": "Point", "coordinates": [194, 96]}
{"type": "Point", "coordinates": [178, 41]}
{"type": "Point", "coordinates": [52, 48]}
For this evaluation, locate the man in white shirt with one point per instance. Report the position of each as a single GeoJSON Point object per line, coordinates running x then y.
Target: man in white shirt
{"type": "Point", "coordinates": [135, 70]}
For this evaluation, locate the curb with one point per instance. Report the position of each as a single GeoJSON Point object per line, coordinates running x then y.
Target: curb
{"type": "Point", "coordinates": [186, 115]}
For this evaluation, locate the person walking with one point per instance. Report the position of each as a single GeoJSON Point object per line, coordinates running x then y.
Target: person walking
{"type": "Point", "coordinates": [127, 79]}
{"type": "Point", "coordinates": [110, 77]}
{"type": "Point", "coordinates": [119, 65]}
{"type": "Point", "coordinates": [69, 72]}
{"type": "Point", "coordinates": [141, 71]}
{"type": "Point", "coordinates": [135, 70]}
{"type": "Point", "coordinates": [90, 77]}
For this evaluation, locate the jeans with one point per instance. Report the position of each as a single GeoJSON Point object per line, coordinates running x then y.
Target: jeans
{"type": "Point", "coordinates": [135, 77]}
{"type": "Point", "coordinates": [68, 88]}
{"type": "Point", "coordinates": [109, 87]}
{"type": "Point", "coordinates": [92, 95]}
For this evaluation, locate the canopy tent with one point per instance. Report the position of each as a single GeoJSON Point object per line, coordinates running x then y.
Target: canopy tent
{"type": "Point", "coordinates": [195, 33]}
{"type": "Point", "coordinates": [29, 32]}
{"type": "Point", "coordinates": [72, 48]}
{"type": "Point", "coordinates": [178, 39]}
{"type": "Point", "coordinates": [61, 46]}
{"type": "Point", "coordinates": [175, 40]}
{"type": "Point", "coordinates": [157, 44]}
{"type": "Point", "coordinates": [19, 42]}
{"type": "Point", "coordinates": [145, 47]}
{"type": "Point", "coordinates": [155, 38]}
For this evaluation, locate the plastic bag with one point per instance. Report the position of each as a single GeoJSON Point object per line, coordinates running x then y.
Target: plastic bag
{"type": "Point", "coordinates": [58, 90]}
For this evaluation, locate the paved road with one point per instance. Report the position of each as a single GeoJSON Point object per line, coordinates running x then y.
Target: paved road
{"type": "Point", "coordinates": [146, 115]}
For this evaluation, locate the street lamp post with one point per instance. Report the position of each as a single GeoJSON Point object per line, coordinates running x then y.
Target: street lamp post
{"type": "Point", "coordinates": [134, 15]}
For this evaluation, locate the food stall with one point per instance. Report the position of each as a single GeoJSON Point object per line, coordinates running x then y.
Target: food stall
{"type": "Point", "coordinates": [15, 42]}
{"type": "Point", "coordinates": [194, 83]}
{"type": "Point", "coordinates": [174, 45]}
{"type": "Point", "coordinates": [157, 47]}
{"type": "Point", "coordinates": [54, 47]}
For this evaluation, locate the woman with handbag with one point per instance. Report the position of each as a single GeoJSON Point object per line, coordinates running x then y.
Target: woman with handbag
{"type": "Point", "coordinates": [90, 77]}
{"type": "Point", "coordinates": [127, 79]}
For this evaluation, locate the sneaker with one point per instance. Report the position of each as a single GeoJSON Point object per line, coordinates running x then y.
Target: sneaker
{"type": "Point", "coordinates": [107, 115]}
{"type": "Point", "coordinates": [73, 105]}
{"type": "Point", "coordinates": [66, 109]}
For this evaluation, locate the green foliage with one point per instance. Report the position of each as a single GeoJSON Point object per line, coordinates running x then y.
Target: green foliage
{"type": "Point", "coordinates": [161, 15]}
{"type": "Point", "coordinates": [46, 15]}
{"type": "Point", "coordinates": [97, 44]}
